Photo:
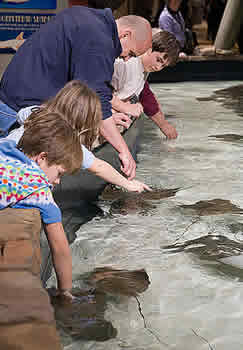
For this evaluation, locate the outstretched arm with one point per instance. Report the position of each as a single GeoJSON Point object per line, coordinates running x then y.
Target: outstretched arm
{"type": "Point", "coordinates": [111, 133]}
{"type": "Point", "coordinates": [61, 255]}
{"type": "Point", "coordinates": [108, 173]}
{"type": "Point", "coordinates": [167, 129]}
{"type": "Point", "coordinates": [153, 111]}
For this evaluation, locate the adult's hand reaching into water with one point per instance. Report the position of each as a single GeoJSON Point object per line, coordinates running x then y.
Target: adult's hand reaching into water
{"type": "Point", "coordinates": [128, 166]}
{"type": "Point", "coordinates": [122, 119]}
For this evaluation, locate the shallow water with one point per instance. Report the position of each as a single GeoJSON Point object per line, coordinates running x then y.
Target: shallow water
{"type": "Point", "coordinates": [194, 300]}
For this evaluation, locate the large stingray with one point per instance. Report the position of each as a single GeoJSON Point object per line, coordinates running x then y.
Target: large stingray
{"type": "Point", "coordinates": [121, 282]}
{"type": "Point", "coordinates": [84, 317]}
{"type": "Point", "coordinates": [228, 137]}
{"type": "Point", "coordinates": [111, 192]}
{"type": "Point", "coordinates": [231, 98]}
{"type": "Point", "coordinates": [225, 254]}
{"type": "Point", "coordinates": [129, 203]}
{"type": "Point", "coordinates": [209, 247]}
{"type": "Point", "coordinates": [213, 207]}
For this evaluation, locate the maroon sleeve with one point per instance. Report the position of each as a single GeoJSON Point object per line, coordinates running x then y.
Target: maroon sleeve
{"type": "Point", "coordinates": [148, 101]}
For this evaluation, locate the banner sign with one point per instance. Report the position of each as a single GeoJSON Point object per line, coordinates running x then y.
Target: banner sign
{"type": "Point", "coordinates": [28, 4]}
{"type": "Point", "coordinates": [16, 27]}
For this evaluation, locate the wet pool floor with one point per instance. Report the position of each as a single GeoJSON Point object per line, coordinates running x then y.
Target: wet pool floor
{"type": "Point", "coordinates": [189, 243]}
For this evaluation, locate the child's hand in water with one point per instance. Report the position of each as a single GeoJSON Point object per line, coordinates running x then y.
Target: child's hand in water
{"type": "Point", "coordinates": [66, 294]}
{"type": "Point", "coordinates": [63, 293]}
{"type": "Point", "coordinates": [137, 186]}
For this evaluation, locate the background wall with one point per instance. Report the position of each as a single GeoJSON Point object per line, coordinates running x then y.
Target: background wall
{"type": "Point", "coordinates": [6, 58]}
{"type": "Point", "coordinates": [141, 7]}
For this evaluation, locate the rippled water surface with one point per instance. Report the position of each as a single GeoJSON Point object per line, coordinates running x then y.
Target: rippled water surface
{"type": "Point", "coordinates": [191, 243]}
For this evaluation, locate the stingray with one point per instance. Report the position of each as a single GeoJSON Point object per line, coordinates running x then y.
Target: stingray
{"type": "Point", "coordinates": [209, 247]}
{"type": "Point", "coordinates": [213, 207]}
{"type": "Point", "coordinates": [132, 203]}
{"type": "Point", "coordinates": [111, 192]}
{"type": "Point", "coordinates": [159, 193]}
{"type": "Point", "coordinates": [84, 317]}
{"type": "Point", "coordinates": [119, 282]}
{"type": "Point", "coordinates": [231, 98]}
{"type": "Point", "coordinates": [228, 137]}
{"type": "Point", "coordinates": [218, 252]}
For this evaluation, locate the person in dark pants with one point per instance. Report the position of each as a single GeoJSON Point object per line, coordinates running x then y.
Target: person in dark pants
{"type": "Point", "coordinates": [214, 15]}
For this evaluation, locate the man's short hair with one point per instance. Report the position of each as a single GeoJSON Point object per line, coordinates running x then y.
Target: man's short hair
{"type": "Point", "coordinates": [164, 41]}
{"type": "Point", "coordinates": [140, 25]}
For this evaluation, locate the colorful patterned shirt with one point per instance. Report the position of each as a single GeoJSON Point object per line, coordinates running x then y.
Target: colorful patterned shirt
{"type": "Point", "coordinates": [24, 185]}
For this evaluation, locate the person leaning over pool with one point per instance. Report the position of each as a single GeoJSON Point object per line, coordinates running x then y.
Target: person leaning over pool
{"type": "Point", "coordinates": [79, 43]}
{"type": "Point", "coordinates": [81, 108]}
{"type": "Point", "coordinates": [130, 80]}
{"type": "Point", "coordinates": [28, 172]}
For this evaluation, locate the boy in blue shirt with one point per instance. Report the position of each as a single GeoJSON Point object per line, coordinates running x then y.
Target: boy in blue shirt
{"type": "Point", "coordinates": [48, 148]}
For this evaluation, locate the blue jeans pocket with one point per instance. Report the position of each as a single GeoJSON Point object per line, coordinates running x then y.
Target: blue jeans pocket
{"type": "Point", "coordinates": [7, 119]}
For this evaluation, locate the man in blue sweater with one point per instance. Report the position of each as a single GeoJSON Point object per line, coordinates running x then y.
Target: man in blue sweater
{"type": "Point", "coordinates": [79, 43]}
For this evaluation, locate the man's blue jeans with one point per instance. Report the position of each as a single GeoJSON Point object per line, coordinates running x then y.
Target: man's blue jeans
{"type": "Point", "coordinates": [7, 119]}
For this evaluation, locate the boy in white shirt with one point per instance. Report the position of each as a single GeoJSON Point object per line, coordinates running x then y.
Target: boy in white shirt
{"type": "Point", "coordinates": [129, 81]}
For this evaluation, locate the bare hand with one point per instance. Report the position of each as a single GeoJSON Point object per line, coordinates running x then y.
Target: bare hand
{"type": "Point", "coordinates": [135, 109]}
{"type": "Point", "coordinates": [137, 186]}
{"type": "Point", "coordinates": [64, 294]}
{"type": "Point", "coordinates": [169, 130]}
{"type": "Point", "coordinates": [122, 119]}
{"type": "Point", "coordinates": [128, 165]}
{"type": "Point", "coordinates": [183, 55]}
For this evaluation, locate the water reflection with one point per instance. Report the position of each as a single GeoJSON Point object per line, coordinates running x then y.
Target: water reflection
{"type": "Point", "coordinates": [231, 98]}
{"type": "Point", "coordinates": [237, 229]}
{"type": "Point", "coordinates": [196, 282]}
{"type": "Point", "coordinates": [84, 318]}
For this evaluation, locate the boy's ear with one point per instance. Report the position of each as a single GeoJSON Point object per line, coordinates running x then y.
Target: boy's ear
{"type": "Point", "coordinates": [41, 157]}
